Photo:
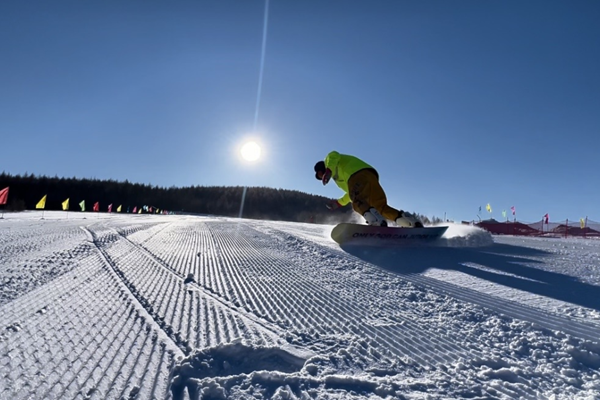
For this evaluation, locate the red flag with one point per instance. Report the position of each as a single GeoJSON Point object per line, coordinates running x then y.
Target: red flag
{"type": "Point", "coordinates": [546, 217]}
{"type": "Point", "coordinates": [4, 195]}
{"type": "Point", "coordinates": [96, 206]}
{"type": "Point", "coordinates": [110, 208]}
{"type": "Point", "coordinates": [513, 210]}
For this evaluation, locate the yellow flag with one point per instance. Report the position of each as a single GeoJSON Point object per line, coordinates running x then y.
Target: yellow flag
{"type": "Point", "coordinates": [119, 209]}
{"type": "Point", "coordinates": [582, 222]}
{"type": "Point", "coordinates": [140, 211]}
{"type": "Point", "coordinates": [42, 203]}
{"type": "Point", "coordinates": [488, 208]}
{"type": "Point", "coordinates": [65, 205]}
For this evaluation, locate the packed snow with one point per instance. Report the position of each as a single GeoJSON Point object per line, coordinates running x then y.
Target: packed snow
{"type": "Point", "coordinates": [111, 306]}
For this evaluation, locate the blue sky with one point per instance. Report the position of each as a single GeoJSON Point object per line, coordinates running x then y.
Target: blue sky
{"type": "Point", "coordinates": [457, 104]}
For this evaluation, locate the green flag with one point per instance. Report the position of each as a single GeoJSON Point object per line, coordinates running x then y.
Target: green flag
{"type": "Point", "coordinates": [82, 205]}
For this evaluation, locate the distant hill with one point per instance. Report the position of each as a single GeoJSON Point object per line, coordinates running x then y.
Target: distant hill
{"type": "Point", "coordinates": [260, 202]}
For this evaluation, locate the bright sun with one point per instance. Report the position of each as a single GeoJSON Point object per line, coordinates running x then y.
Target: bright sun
{"type": "Point", "coordinates": [250, 151]}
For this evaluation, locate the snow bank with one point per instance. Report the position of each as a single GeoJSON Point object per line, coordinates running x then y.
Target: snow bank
{"type": "Point", "coordinates": [459, 235]}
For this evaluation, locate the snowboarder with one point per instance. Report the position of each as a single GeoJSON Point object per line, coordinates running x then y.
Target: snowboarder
{"type": "Point", "coordinates": [360, 182]}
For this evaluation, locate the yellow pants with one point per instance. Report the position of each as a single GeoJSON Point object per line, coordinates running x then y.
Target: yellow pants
{"type": "Point", "coordinates": [366, 192]}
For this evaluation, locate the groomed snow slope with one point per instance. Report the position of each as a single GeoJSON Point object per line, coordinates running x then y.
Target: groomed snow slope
{"type": "Point", "coordinates": [142, 307]}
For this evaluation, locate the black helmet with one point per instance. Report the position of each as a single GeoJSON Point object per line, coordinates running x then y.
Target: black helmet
{"type": "Point", "coordinates": [319, 167]}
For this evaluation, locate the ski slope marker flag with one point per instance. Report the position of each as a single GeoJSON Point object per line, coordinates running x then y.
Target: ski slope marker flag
{"type": "Point", "coordinates": [42, 203]}
{"type": "Point", "coordinates": [110, 208]}
{"type": "Point", "coordinates": [582, 222]}
{"type": "Point", "coordinates": [82, 205]}
{"type": "Point", "coordinates": [96, 206]}
{"type": "Point", "coordinates": [119, 209]}
{"type": "Point", "coordinates": [546, 218]}
{"type": "Point", "coordinates": [65, 205]}
{"type": "Point", "coordinates": [513, 210]}
{"type": "Point", "coordinates": [4, 195]}
{"type": "Point", "coordinates": [488, 208]}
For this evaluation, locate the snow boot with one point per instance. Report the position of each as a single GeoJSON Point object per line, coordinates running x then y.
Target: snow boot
{"type": "Point", "coordinates": [373, 218]}
{"type": "Point", "coordinates": [408, 221]}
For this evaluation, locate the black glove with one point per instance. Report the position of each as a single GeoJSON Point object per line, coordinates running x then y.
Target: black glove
{"type": "Point", "coordinates": [333, 205]}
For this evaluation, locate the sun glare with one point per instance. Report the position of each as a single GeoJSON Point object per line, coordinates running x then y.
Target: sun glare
{"type": "Point", "coordinates": [250, 151]}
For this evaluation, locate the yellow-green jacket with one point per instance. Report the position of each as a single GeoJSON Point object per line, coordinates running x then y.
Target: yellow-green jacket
{"type": "Point", "coordinates": [342, 167]}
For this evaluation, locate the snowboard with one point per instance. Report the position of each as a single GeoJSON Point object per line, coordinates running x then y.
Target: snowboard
{"type": "Point", "coordinates": [346, 233]}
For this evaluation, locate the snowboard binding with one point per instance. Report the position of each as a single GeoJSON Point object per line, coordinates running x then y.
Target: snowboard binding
{"type": "Point", "coordinates": [408, 221]}
{"type": "Point", "coordinates": [373, 218]}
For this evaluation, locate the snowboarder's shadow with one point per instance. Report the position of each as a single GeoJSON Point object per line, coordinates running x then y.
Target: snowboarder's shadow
{"type": "Point", "coordinates": [506, 265]}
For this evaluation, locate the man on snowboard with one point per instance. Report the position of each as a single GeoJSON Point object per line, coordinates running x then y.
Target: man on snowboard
{"type": "Point", "coordinates": [360, 182]}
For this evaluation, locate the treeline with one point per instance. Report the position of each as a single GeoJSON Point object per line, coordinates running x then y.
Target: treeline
{"type": "Point", "coordinates": [260, 202]}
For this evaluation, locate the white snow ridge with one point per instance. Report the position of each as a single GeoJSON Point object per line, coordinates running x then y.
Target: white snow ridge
{"type": "Point", "coordinates": [181, 307]}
